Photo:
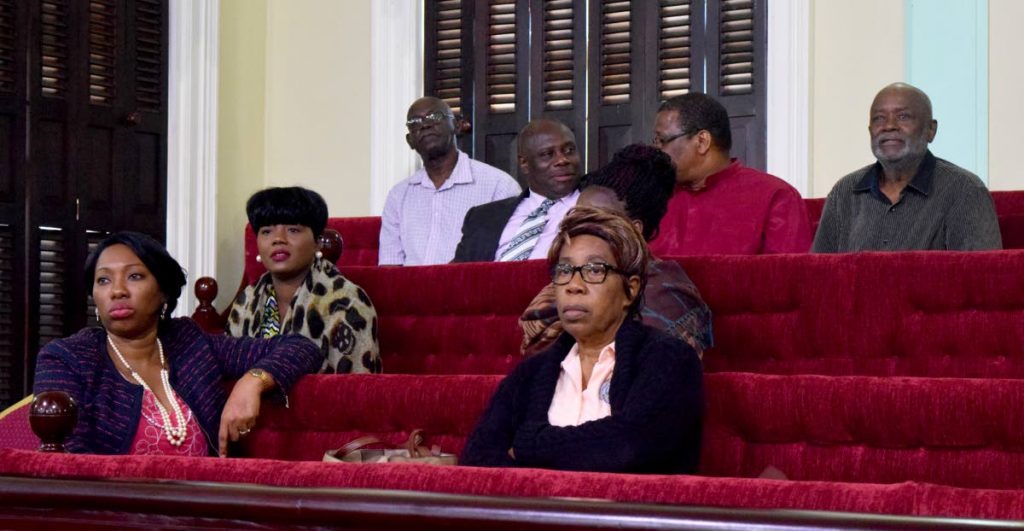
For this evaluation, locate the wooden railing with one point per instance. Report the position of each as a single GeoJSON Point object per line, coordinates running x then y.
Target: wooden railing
{"type": "Point", "coordinates": [30, 503]}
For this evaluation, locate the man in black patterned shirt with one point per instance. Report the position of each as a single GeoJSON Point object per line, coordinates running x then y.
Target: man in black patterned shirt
{"type": "Point", "coordinates": [909, 199]}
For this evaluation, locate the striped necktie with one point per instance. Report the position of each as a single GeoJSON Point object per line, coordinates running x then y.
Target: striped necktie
{"type": "Point", "coordinates": [529, 233]}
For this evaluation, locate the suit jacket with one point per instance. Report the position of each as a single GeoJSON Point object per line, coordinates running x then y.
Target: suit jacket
{"type": "Point", "coordinates": [482, 228]}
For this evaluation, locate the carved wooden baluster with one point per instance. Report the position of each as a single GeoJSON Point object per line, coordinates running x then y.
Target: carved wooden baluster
{"type": "Point", "coordinates": [206, 315]}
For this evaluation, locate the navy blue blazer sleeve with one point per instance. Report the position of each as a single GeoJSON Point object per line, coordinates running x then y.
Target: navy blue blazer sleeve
{"type": "Point", "coordinates": [286, 357]}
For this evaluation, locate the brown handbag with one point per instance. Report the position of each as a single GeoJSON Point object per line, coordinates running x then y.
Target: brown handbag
{"type": "Point", "coordinates": [413, 451]}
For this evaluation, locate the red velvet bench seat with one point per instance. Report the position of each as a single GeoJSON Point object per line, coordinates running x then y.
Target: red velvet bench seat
{"type": "Point", "coordinates": [914, 446]}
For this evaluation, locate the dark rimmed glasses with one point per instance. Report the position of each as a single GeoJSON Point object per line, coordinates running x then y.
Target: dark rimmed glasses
{"type": "Point", "coordinates": [433, 118]}
{"type": "Point", "coordinates": [660, 141]}
{"type": "Point", "coordinates": [590, 272]}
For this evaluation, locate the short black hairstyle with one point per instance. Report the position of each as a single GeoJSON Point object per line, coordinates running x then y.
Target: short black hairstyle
{"type": "Point", "coordinates": [167, 271]}
{"type": "Point", "coordinates": [699, 111]}
{"type": "Point", "coordinates": [644, 179]}
{"type": "Point", "coordinates": [293, 205]}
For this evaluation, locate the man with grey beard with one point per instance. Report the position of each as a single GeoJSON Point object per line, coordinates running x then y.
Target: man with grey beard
{"type": "Point", "coordinates": [909, 199]}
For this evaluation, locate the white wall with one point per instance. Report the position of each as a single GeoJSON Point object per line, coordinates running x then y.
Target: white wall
{"type": "Point", "coordinates": [1006, 94]}
{"type": "Point", "coordinates": [318, 100]}
{"type": "Point", "coordinates": [857, 47]}
{"type": "Point", "coordinates": [294, 110]}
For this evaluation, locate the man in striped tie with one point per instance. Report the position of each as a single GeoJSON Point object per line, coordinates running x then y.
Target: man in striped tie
{"type": "Point", "coordinates": [523, 227]}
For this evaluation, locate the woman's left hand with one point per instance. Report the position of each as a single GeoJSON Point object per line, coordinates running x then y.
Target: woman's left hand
{"type": "Point", "coordinates": [240, 412]}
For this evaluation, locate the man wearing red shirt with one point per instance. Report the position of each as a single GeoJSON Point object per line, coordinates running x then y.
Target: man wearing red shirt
{"type": "Point", "coordinates": [720, 206]}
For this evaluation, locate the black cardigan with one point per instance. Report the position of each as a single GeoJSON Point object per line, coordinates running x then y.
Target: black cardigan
{"type": "Point", "coordinates": [657, 403]}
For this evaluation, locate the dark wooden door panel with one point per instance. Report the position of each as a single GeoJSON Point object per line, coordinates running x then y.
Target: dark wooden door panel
{"type": "Point", "coordinates": [83, 118]}
{"type": "Point", "coordinates": [640, 54]}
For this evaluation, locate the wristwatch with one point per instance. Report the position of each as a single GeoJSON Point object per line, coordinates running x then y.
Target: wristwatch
{"type": "Point", "coordinates": [262, 375]}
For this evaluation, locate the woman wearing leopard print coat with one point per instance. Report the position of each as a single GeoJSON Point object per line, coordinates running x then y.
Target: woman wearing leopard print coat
{"type": "Point", "coordinates": [301, 292]}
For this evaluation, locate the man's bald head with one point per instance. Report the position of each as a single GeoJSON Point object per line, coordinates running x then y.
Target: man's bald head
{"type": "Point", "coordinates": [548, 158]}
{"type": "Point", "coordinates": [916, 96]}
{"type": "Point", "coordinates": [431, 128]}
{"type": "Point", "coordinates": [541, 125]}
{"type": "Point", "coordinates": [428, 104]}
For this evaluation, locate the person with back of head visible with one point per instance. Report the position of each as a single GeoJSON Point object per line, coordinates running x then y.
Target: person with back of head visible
{"type": "Point", "coordinates": [523, 227]}
{"type": "Point", "coordinates": [908, 199]}
{"type": "Point", "coordinates": [423, 214]}
{"type": "Point", "coordinates": [636, 184]}
{"type": "Point", "coordinates": [721, 206]}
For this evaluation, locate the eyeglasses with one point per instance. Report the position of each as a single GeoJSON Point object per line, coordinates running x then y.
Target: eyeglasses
{"type": "Point", "coordinates": [591, 273]}
{"type": "Point", "coordinates": [433, 118]}
{"type": "Point", "coordinates": [660, 142]}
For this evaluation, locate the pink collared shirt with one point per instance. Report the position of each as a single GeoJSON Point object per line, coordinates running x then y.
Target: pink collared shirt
{"type": "Point", "coordinates": [421, 224]}
{"type": "Point", "coordinates": [525, 207]}
{"type": "Point", "coordinates": [572, 405]}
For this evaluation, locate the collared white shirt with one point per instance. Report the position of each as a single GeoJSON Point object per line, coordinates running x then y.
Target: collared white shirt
{"type": "Point", "coordinates": [422, 224]}
{"type": "Point", "coordinates": [523, 210]}
{"type": "Point", "coordinates": [572, 405]}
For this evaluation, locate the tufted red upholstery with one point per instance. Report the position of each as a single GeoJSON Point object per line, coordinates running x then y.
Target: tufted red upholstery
{"type": "Point", "coordinates": [851, 443]}
{"type": "Point", "coordinates": [453, 319]}
{"type": "Point", "coordinates": [958, 432]}
{"type": "Point", "coordinates": [361, 235]}
{"type": "Point", "coordinates": [952, 431]}
{"type": "Point", "coordinates": [910, 314]}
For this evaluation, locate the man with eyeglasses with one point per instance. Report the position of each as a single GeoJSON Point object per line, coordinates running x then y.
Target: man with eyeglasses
{"type": "Point", "coordinates": [721, 206]}
{"type": "Point", "coordinates": [523, 227]}
{"type": "Point", "coordinates": [423, 214]}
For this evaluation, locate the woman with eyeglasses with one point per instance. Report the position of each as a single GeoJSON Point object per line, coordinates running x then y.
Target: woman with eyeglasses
{"type": "Point", "coordinates": [611, 394]}
{"type": "Point", "coordinates": [637, 183]}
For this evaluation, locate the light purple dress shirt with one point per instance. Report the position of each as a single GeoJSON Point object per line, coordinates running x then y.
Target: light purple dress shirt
{"type": "Point", "coordinates": [422, 224]}
{"type": "Point", "coordinates": [555, 215]}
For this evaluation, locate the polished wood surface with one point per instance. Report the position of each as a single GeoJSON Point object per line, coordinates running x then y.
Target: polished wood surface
{"type": "Point", "coordinates": [30, 503]}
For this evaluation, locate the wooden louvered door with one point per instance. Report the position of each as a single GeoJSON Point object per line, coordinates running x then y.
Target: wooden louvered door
{"type": "Point", "coordinates": [501, 31]}
{"type": "Point", "coordinates": [558, 55]}
{"type": "Point", "coordinates": [600, 66]}
{"type": "Point", "coordinates": [617, 90]}
{"type": "Point", "coordinates": [641, 53]}
{"type": "Point", "coordinates": [13, 295]}
{"type": "Point", "coordinates": [53, 85]}
{"type": "Point", "coordinates": [450, 75]}
{"type": "Point", "coordinates": [736, 40]}
{"type": "Point", "coordinates": [86, 156]}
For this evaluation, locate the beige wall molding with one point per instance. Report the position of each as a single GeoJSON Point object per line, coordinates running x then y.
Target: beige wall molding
{"type": "Point", "coordinates": [789, 104]}
{"type": "Point", "coordinates": [192, 140]}
{"type": "Point", "coordinates": [396, 79]}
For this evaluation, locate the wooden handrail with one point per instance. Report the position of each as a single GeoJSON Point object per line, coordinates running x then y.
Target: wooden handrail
{"type": "Point", "coordinates": [33, 501]}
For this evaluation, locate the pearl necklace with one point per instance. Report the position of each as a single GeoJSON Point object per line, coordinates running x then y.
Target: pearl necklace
{"type": "Point", "coordinates": [175, 435]}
